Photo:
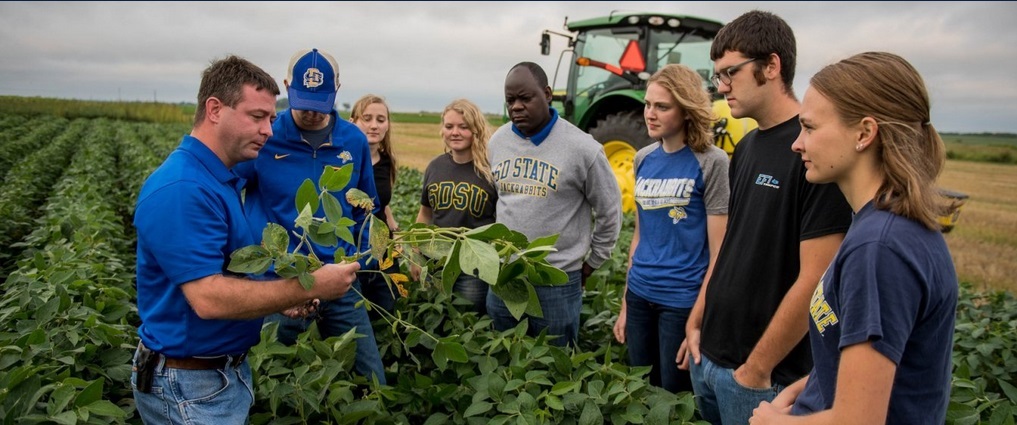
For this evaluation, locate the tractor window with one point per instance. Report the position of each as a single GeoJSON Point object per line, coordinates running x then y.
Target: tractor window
{"type": "Point", "coordinates": [688, 49]}
{"type": "Point", "coordinates": [604, 45]}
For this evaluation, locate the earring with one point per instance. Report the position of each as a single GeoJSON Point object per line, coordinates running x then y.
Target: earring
{"type": "Point", "coordinates": [859, 147]}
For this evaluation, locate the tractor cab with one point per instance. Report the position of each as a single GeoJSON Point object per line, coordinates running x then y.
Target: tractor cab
{"type": "Point", "coordinates": [610, 60]}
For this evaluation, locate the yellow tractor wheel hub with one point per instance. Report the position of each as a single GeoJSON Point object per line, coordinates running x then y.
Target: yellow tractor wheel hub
{"type": "Point", "coordinates": [621, 156]}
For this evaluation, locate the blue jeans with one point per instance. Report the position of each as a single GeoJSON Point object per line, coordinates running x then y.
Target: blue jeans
{"type": "Point", "coordinates": [560, 304]}
{"type": "Point", "coordinates": [376, 290]}
{"type": "Point", "coordinates": [653, 333]}
{"type": "Point", "coordinates": [196, 397]}
{"type": "Point", "coordinates": [474, 290]}
{"type": "Point", "coordinates": [721, 399]}
{"type": "Point", "coordinates": [335, 318]}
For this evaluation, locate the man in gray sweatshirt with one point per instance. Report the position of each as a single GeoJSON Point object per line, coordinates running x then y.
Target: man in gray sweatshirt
{"type": "Point", "coordinates": [552, 178]}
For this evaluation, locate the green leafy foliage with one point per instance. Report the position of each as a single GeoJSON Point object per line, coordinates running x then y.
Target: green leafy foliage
{"type": "Point", "coordinates": [984, 359]}
{"type": "Point", "coordinates": [68, 322]}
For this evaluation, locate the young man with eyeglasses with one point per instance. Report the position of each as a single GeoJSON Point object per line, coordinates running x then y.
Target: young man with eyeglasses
{"type": "Point", "coordinates": [745, 335]}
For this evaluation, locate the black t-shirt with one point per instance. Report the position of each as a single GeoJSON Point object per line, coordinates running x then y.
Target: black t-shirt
{"type": "Point", "coordinates": [772, 209]}
{"type": "Point", "coordinates": [383, 183]}
{"type": "Point", "coordinates": [457, 196]}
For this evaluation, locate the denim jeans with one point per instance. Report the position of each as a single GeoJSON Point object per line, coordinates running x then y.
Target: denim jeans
{"type": "Point", "coordinates": [198, 397]}
{"type": "Point", "coordinates": [474, 290]}
{"type": "Point", "coordinates": [335, 318]}
{"type": "Point", "coordinates": [653, 333]}
{"type": "Point", "coordinates": [721, 399]}
{"type": "Point", "coordinates": [376, 290]}
{"type": "Point", "coordinates": [560, 304]}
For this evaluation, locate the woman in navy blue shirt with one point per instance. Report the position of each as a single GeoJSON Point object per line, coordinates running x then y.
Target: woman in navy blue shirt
{"type": "Point", "coordinates": [882, 316]}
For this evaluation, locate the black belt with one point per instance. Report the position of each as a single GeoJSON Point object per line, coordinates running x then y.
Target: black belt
{"type": "Point", "coordinates": [202, 363]}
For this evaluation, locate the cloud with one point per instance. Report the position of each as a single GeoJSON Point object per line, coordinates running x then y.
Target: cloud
{"type": "Point", "coordinates": [422, 55]}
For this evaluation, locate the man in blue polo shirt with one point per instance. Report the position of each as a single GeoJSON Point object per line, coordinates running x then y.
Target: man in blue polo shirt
{"type": "Point", "coordinates": [307, 138]}
{"type": "Point", "coordinates": [198, 320]}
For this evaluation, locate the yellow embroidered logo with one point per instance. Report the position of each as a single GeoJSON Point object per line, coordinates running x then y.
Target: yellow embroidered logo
{"type": "Point", "coordinates": [281, 156]}
{"type": "Point", "coordinates": [346, 156]}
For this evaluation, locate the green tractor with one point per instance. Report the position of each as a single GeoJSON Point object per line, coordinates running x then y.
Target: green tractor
{"type": "Point", "coordinates": [611, 59]}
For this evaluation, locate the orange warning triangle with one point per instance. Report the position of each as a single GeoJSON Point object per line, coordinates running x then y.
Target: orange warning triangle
{"type": "Point", "coordinates": [632, 59]}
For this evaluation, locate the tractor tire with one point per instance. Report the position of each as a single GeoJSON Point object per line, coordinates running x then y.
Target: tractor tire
{"type": "Point", "coordinates": [622, 135]}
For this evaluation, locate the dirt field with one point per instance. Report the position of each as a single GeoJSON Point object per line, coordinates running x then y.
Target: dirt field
{"type": "Point", "coordinates": [984, 242]}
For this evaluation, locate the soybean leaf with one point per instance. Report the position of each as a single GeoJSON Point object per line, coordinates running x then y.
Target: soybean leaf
{"type": "Point", "coordinates": [304, 219]}
{"type": "Point", "coordinates": [335, 178]}
{"type": "Point", "coordinates": [436, 248]}
{"type": "Point", "coordinates": [515, 295]}
{"type": "Point", "coordinates": [307, 195]}
{"type": "Point", "coordinates": [306, 280]}
{"type": "Point", "coordinates": [322, 234]}
{"type": "Point", "coordinates": [439, 357]}
{"type": "Point", "coordinates": [106, 408]}
{"type": "Point", "coordinates": [379, 237]}
{"type": "Point", "coordinates": [91, 393]}
{"type": "Point", "coordinates": [65, 418]}
{"type": "Point", "coordinates": [454, 350]}
{"type": "Point", "coordinates": [1009, 390]}
{"type": "Point", "coordinates": [358, 198]}
{"type": "Point", "coordinates": [333, 210]}
{"type": "Point", "coordinates": [477, 408]}
{"type": "Point", "coordinates": [59, 398]}
{"type": "Point", "coordinates": [285, 270]}
{"type": "Point", "coordinates": [344, 233]}
{"type": "Point", "coordinates": [512, 271]}
{"type": "Point", "coordinates": [325, 227]}
{"type": "Point", "coordinates": [544, 241]}
{"type": "Point", "coordinates": [251, 259]}
{"type": "Point", "coordinates": [488, 233]}
{"type": "Point", "coordinates": [275, 239]}
{"type": "Point", "coordinates": [517, 239]}
{"type": "Point", "coordinates": [533, 304]}
{"type": "Point", "coordinates": [591, 414]}
{"type": "Point", "coordinates": [545, 274]}
{"type": "Point", "coordinates": [480, 259]}
{"type": "Point", "coordinates": [451, 271]}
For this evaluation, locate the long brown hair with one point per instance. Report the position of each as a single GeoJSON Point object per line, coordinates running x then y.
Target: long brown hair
{"type": "Point", "coordinates": [911, 154]}
{"type": "Point", "coordinates": [481, 135]}
{"type": "Point", "coordinates": [386, 142]}
{"type": "Point", "coordinates": [686, 87]}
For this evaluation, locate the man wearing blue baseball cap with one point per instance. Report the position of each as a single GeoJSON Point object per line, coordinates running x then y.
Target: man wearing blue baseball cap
{"type": "Point", "coordinates": [308, 137]}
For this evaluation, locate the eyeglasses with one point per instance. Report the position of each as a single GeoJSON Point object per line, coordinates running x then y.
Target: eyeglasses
{"type": "Point", "coordinates": [724, 75]}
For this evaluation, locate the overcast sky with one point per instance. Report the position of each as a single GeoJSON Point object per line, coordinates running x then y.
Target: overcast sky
{"type": "Point", "coordinates": [422, 55]}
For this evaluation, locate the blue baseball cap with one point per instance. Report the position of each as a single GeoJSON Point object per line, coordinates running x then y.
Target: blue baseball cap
{"type": "Point", "coordinates": [314, 81]}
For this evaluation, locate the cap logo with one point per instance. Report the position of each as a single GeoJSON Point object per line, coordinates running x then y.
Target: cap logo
{"type": "Point", "coordinates": [313, 78]}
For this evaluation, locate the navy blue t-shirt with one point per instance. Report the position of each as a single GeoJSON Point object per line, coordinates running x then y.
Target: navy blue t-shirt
{"type": "Point", "coordinates": [892, 283]}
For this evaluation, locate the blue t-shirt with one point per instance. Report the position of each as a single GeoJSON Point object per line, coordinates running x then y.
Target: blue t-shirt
{"type": "Point", "coordinates": [189, 220]}
{"type": "Point", "coordinates": [892, 283]}
{"type": "Point", "coordinates": [674, 193]}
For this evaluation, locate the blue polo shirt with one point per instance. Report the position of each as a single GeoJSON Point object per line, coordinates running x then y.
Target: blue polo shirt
{"type": "Point", "coordinates": [189, 220]}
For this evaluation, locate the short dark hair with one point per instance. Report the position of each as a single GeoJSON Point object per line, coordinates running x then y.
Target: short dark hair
{"type": "Point", "coordinates": [757, 34]}
{"type": "Point", "coordinates": [535, 70]}
{"type": "Point", "coordinates": [225, 79]}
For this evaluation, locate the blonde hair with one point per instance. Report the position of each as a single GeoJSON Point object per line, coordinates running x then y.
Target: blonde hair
{"type": "Point", "coordinates": [686, 87]}
{"type": "Point", "coordinates": [386, 142]}
{"type": "Point", "coordinates": [477, 123]}
{"type": "Point", "coordinates": [911, 154]}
